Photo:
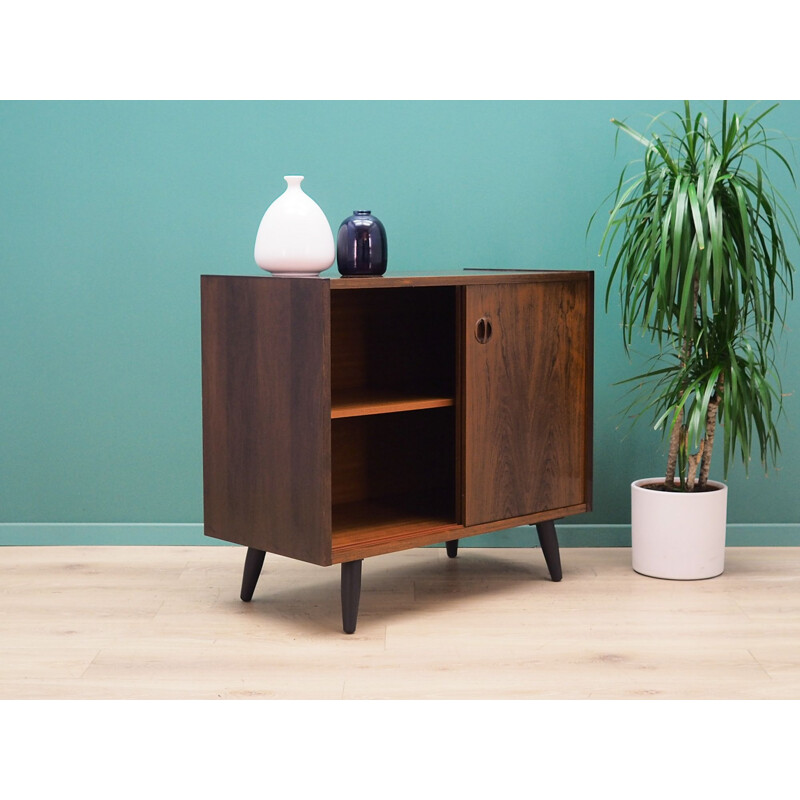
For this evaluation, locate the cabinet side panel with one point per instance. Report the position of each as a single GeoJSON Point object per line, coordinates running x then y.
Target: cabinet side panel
{"type": "Point", "coordinates": [526, 399]}
{"type": "Point", "coordinates": [589, 422]}
{"type": "Point", "coordinates": [266, 414]}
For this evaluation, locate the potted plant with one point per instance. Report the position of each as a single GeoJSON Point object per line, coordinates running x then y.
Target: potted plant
{"type": "Point", "coordinates": [698, 241]}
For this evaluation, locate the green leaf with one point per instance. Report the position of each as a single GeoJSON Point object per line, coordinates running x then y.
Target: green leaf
{"type": "Point", "coordinates": [697, 217]}
{"type": "Point", "coordinates": [697, 243]}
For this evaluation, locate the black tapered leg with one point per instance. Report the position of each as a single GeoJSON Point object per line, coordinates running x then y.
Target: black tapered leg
{"type": "Point", "coordinates": [549, 542]}
{"type": "Point", "coordinates": [351, 592]}
{"type": "Point", "coordinates": [452, 547]}
{"type": "Point", "coordinates": [253, 562]}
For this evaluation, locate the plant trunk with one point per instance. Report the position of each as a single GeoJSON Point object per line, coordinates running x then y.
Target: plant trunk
{"type": "Point", "coordinates": [674, 446]}
{"type": "Point", "coordinates": [677, 434]}
{"type": "Point", "coordinates": [711, 428]}
{"type": "Point", "coordinates": [694, 463]}
{"type": "Point", "coordinates": [695, 460]}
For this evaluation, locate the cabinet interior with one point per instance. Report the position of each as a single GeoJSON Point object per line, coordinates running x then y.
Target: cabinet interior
{"type": "Point", "coordinates": [393, 410]}
{"type": "Point", "coordinates": [392, 350]}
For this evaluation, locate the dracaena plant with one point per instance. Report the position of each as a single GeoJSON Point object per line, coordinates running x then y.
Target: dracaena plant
{"type": "Point", "coordinates": [697, 243]}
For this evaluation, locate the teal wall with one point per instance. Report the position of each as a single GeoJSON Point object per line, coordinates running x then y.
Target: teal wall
{"type": "Point", "coordinates": [111, 211]}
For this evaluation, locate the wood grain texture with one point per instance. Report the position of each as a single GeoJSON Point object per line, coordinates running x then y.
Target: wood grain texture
{"type": "Point", "coordinates": [266, 414]}
{"type": "Point", "coordinates": [393, 524]}
{"type": "Point", "coordinates": [470, 278]}
{"type": "Point", "coordinates": [357, 423]}
{"type": "Point", "coordinates": [398, 340]}
{"type": "Point", "coordinates": [361, 403]}
{"type": "Point", "coordinates": [376, 527]}
{"type": "Point", "coordinates": [588, 419]}
{"type": "Point", "coordinates": [527, 396]}
{"type": "Point", "coordinates": [410, 453]}
{"type": "Point", "coordinates": [166, 623]}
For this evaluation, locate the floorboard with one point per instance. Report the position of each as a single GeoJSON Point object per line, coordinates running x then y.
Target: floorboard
{"type": "Point", "coordinates": [167, 623]}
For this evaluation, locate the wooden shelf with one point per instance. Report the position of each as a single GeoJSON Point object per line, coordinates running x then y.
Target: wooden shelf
{"type": "Point", "coordinates": [359, 403]}
{"type": "Point", "coordinates": [383, 526]}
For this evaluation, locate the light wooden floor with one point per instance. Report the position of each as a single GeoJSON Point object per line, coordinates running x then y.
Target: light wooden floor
{"type": "Point", "coordinates": [166, 622]}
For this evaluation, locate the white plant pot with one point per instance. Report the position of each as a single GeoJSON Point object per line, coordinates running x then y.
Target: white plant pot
{"type": "Point", "coordinates": [294, 237]}
{"type": "Point", "coordinates": [678, 535]}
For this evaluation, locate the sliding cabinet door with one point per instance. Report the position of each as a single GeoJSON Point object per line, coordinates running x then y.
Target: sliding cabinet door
{"type": "Point", "coordinates": [527, 394]}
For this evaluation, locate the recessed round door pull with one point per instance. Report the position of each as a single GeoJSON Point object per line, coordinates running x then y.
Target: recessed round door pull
{"type": "Point", "coordinates": [483, 330]}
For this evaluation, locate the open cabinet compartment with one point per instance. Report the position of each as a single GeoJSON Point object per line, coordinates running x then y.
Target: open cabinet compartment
{"type": "Point", "coordinates": [393, 415]}
{"type": "Point", "coordinates": [392, 477]}
{"type": "Point", "coordinates": [392, 350]}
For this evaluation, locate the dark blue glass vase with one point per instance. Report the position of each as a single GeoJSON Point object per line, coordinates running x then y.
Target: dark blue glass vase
{"type": "Point", "coordinates": [361, 245]}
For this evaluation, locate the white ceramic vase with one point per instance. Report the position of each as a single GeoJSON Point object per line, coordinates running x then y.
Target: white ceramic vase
{"type": "Point", "coordinates": [294, 237]}
{"type": "Point", "coordinates": [678, 535]}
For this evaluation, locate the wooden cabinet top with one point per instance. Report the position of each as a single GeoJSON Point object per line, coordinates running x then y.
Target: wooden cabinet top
{"type": "Point", "coordinates": [412, 279]}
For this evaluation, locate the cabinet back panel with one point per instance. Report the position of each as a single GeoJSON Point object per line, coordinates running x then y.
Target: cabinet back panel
{"type": "Point", "coordinates": [404, 454]}
{"type": "Point", "coordinates": [393, 339]}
